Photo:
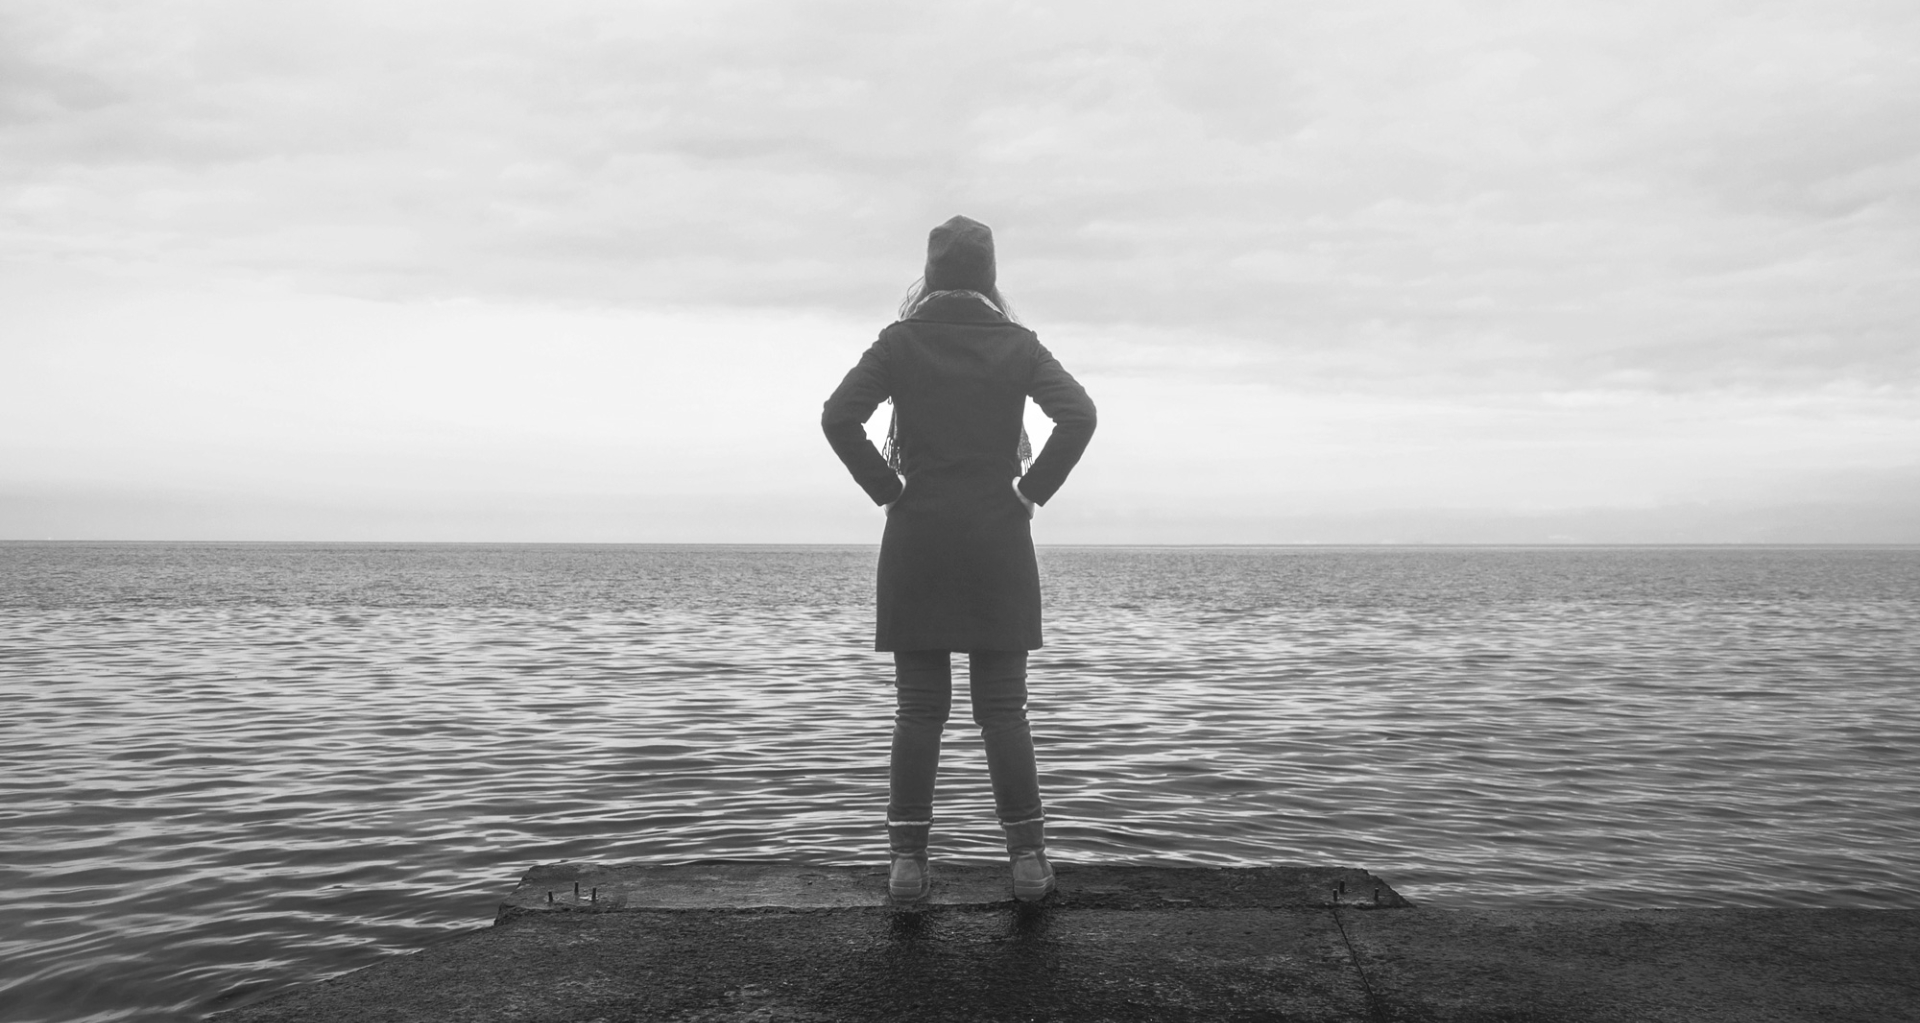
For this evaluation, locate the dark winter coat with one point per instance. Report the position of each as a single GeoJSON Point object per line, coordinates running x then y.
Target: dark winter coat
{"type": "Point", "coordinates": [956, 562]}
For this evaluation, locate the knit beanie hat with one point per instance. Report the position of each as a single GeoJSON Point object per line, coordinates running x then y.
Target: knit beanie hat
{"type": "Point", "coordinates": [960, 257]}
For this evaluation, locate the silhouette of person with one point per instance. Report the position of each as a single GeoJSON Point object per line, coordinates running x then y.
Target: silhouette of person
{"type": "Point", "coordinates": [957, 569]}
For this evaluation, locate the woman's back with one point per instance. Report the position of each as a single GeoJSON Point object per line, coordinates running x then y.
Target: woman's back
{"type": "Point", "coordinates": [960, 374]}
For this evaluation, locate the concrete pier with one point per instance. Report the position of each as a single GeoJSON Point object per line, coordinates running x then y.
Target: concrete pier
{"type": "Point", "coordinates": [788, 943]}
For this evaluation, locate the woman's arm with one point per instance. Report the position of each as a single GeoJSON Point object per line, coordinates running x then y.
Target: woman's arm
{"type": "Point", "coordinates": [1066, 403]}
{"type": "Point", "coordinates": [844, 418]}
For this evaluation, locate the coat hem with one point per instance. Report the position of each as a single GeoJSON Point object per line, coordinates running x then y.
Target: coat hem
{"type": "Point", "coordinates": [883, 647]}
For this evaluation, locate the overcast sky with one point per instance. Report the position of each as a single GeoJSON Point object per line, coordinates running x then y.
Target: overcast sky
{"type": "Point", "coordinates": [1357, 272]}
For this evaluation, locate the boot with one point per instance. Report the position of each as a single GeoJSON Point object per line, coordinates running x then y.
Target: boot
{"type": "Point", "coordinates": [907, 878]}
{"type": "Point", "coordinates": [1027, 852]}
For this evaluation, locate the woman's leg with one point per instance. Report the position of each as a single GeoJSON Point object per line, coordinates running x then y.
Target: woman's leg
{"type": "Point", "coordinates": [923, 681]}
{"type": "Point", "coordinates": [998, 680]}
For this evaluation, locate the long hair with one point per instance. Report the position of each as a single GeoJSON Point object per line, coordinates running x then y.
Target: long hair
{"type": "Point", "coordinates": [917, 296]}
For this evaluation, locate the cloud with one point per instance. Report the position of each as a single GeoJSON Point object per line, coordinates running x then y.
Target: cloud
{"type": "Point", "coordinates": [1482, 213]}
{"type": "Point", "coordinates": [1581, 187]}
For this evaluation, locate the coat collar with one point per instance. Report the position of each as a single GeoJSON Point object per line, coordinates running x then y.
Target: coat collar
{"type": "Point", "coordinates": [957, 309]}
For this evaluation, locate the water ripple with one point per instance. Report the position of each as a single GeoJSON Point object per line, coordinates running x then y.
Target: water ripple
{"type": "Point", "coordinates": [228, 769]}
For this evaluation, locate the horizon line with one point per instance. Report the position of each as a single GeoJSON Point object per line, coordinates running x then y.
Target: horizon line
{"type": "Point", "coordinates": [875, 545]}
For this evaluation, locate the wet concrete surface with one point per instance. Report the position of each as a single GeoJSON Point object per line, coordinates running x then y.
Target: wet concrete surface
{"type": "Point", "coordinates": [785, 942]}
{"type": "Point", "coordinates": [590, 887]}
{"type": "Point", "coordinates": [1708, 965]}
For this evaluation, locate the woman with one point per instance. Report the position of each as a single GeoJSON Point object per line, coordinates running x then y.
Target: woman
{"type": "Point", "coordinates": [956, 562]}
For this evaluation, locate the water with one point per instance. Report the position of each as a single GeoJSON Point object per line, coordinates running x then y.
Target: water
{"type": "Point", "coordinates": [229, 769]}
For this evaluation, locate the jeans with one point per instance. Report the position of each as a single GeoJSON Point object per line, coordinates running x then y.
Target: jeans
{"type": "Point", "coordinates": [997, 681]}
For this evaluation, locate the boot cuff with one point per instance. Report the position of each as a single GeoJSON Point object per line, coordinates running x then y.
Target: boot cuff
{"type": "Point", "coordinates": [908, 838]}
{"type": "Point", "coordinates": [1026, 835]}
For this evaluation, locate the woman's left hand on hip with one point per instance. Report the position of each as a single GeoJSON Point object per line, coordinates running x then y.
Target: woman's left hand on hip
{"type": "Point", "coordinates": [1024, 499]}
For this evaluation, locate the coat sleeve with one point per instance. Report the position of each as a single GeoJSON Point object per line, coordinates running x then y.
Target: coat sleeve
{"type": "Point", "coordinates": [844, 419]}
{"type": "Point", "coordinates": [1066, 403]}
